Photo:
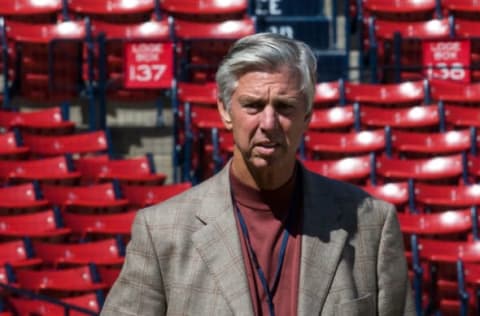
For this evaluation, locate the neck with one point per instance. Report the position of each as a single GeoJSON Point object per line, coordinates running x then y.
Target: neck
{"type": "Point", "coordinates": [265, 179]}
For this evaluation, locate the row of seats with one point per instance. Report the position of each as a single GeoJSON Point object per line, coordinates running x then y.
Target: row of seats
{"type": "Point", "coordinates": [120, 11]}
{"type": "Point", "coordinates": [397, 53]}
{"type": "Point", "coordinates": [69, 291]}
{"type": "Point", "coordinates": [85, 54]}
{"type": "Point", "coordinates": [335, 130]}
{"type": "Point", "coordinates": [390, 36]}
{"type": "Point", "coordinates": [413, 10]}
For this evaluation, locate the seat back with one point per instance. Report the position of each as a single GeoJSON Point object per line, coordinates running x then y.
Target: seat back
{"type": "Point", "coordinates": [329, 144]}
{"type": "Point", "coordinates": [140, 195]}
{"type": "Point", "coordinates": [352, 169]}
{"type": "Point", "coordinates": [103, 252]}
{"type": "Point", "coordinates": [419, 118]}
{"type": "Point", "coordinates": [48, 169]}
{"type": "Point", "coordinates": [31, 11]}
{"type": "Point", "coordinates": [403, 94]}
{"type": "Point", "coordinates": [337, 118]}
{"type": "Point", "coordinates": [38, 224]}
{"type": "Point", "coordinates": [99, 224]}
{"type": "Point", "coordinates": [431, 144]}
{"type": "Point", "coordinates": [80, 143]}
{"type": "Point", "coordinates": [113, 11]}
{"type": "Point", "coordinates": [328, 94]}
{"type": "Point", "coordinates": [76, 279]}
{"type": "Point", "coordinates": [392, 192]}
{"type": "Point", "coordinates": [205, 11]}
{"type": "Point", "coordinates": [441, 169]}
{"type": "Point", "coordinates": [45, 121]}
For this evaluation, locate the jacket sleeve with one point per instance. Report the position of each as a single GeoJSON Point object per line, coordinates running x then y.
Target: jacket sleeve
{"type": "Point", "coordinates": [394, 289]}
{"type": "Point", "coordinates": [139, 288]}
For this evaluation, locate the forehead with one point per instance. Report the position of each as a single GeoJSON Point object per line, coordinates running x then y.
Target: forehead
{"type": "Point", "coordinates": [259, 83]}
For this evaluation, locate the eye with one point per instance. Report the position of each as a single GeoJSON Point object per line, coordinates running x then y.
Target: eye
{"type": "Point", "coordinates": [285, 108]}
{"type": "Point", "coordinates": [253, 107]}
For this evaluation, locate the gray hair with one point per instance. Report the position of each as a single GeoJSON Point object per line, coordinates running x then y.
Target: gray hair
{"type": "Point", "coordinates": [266, 52]}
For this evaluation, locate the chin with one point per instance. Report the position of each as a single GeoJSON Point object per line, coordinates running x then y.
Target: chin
{"type": "Point", "coordinates": [265, 162]}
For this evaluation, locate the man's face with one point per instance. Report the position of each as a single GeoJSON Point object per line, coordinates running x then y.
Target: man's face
{"type": "Point", "coordinates": [268, 116]}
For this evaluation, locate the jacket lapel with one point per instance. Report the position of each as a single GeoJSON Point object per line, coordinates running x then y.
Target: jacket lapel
{"type": "Point", "coordinates": [219, 246]}
{"type": "Point", "coordinates": [323, 241]}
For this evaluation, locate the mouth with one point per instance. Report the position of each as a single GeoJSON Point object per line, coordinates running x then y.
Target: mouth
{"type": "Point", "coordinates": [266, 148]}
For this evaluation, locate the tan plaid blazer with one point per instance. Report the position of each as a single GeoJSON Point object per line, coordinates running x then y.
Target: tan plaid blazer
{"type": "Point", "coordinates": [185, 257]}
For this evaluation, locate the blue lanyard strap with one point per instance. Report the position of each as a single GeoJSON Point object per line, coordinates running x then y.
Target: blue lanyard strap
{"type": "Point", "coordinates": [270, 291]}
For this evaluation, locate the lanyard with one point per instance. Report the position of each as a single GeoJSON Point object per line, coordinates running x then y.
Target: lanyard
{"type": "Point", "coordinates": [270, 291]}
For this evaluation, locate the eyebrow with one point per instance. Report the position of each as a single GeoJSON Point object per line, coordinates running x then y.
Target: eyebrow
{"type": "Point", "coordinates": [246, 99]}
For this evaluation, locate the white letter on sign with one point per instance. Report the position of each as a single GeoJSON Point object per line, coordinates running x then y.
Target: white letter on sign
{"type": "Point", "coordinates": [273, 7]}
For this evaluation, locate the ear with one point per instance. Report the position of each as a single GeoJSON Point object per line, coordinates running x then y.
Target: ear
{"type": "Point", "coordinates": [224, 114]}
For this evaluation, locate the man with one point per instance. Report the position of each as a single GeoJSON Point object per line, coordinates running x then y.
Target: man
{"type": "Point", "coordinates": [265, 236]}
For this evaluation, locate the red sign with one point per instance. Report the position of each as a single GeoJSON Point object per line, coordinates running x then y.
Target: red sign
{"type": "Point", "coordinates": [148, 65]}
{"type": "Point", "coordinates": [447, 60]}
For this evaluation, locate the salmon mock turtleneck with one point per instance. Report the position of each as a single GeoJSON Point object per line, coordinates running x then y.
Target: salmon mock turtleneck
{"type": "Point", "coordinates": [265, 213]}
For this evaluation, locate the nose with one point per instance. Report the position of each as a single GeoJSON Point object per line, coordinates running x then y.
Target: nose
{"type": "Point", "coordinates": [268, 119]}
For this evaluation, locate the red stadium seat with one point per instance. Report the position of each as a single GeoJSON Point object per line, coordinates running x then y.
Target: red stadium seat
{"type": "Point", "coordinates": [132, 170]}
{"type": "Point", "coordinates": [387, 95]}
{"type": "Point", "coordinates": [441, 256]}
{"type": "Point", "coordinates": [455, 93]}
{"type": "Point", "coordinates": [68, 280]}
{"type": "Point", "coordinates": [466, 9]}
{"type": "Point", "coordinates": [196, 93]}
{"type": "Point", "coordinates": [335, 145]}
{"type": "Point", "coordinates": [461, 116]}
{"type": "Point", "coordinates": [418, 144]}
{"type": "Point", "coordinates": [469, 279]}
{"type": "Point", "coordinates": [206, 10]}
{"type": "Point", "coordinates": [80, 143]}
{"type": "Point", "coordinates": [441, 169]}
{"type": "Point", "coordinates": [203, 45]}
{"type": "Point", "coordinates": [27, 306]}
{"type": "Point", "coordinates": [112, 62]}
{"type": "Point", "coordinates": [199, 122]}
{"type": "Point", "coordinates": [352, 169]}
{"type": "Point", "coordinates": [393, 192]}
{"type": "Point", "coordinates": [31, 11]}
{"type": "Point", "coordinates": [20, 198]}
{"type": "Point", "coordinates": [54, 169]}
{"type": "Point", "coordinates": [49, 67]}
{"type": "Point", "coordinates": [446, 196]}
{"type": "Point", "coordinates": [196, 104]}
{"type": "Point", "coordinates": [395, 11]}
{"type": "Point", "coordinates": [409, 57]}
{"type": "Point", "coordinates": [18, 254]}
{"type": "Point", "coordinates": [472, 168]}
{"type": "Point", "coordinates": [442, 223]}
{"type": "Point", "coordinates": [108, 275]}
{"type": "Point", "coordinates": [44, 224]}
{"type": "Point", "coordinates": [9, 146]}
{"type": "Point", "coordinates": [88, 198]}
{"type": "Point", "coordinates": [101, 225]}
{"type": "Point", "coordinates": [102, 252]}
{"type": "Point", "coordinates": [328, 94]}
{"type": "Point", "coordinates": [113, 11]}
{"type": "Point", "coordinates": [223, 147]}
{"type": "Point", "coordinates": [337, 118]}
{"type": "Point", "coordinates": [45, 121]}
{"type": "Point", "coordinates": [404, 10]}
{"type": "Point", "coordinates": [143, 195]}
{"type": "Point", "coordinates": [418, 118]}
